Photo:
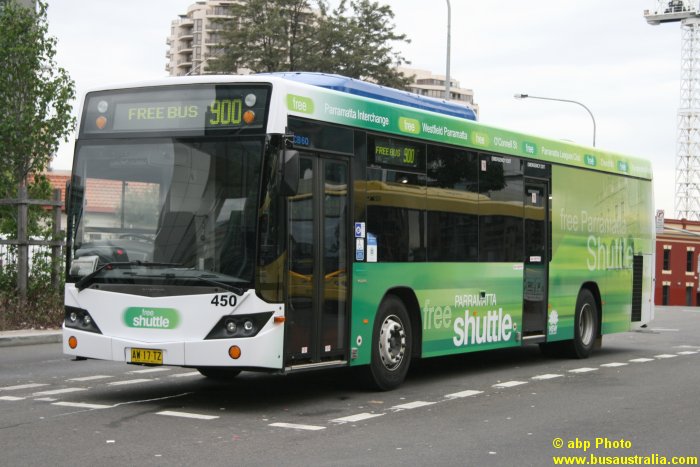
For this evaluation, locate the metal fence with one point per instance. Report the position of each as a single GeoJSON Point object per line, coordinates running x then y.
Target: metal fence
{"type": "Point", "coordinates": [15, 254]}
{"type": "Point", "coordinates": [39, 258]}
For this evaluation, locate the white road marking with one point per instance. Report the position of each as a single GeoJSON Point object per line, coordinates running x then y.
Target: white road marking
{"type": "Point", "coordinates": [613, 364]}
{"type": "Point", "coordinates": [129, 381]}
{"type": "Point", "coordinates": [357, 418]}
{"type": "Point", "coordinates": [149, 370]}
{"type": "Point", "coordinates": [298, 427]}
{"type": "Point", "coordinates": [508, 384]}
{"type": "Point", "coordinates": [665, 355]}
{"type": "Point", "coordinates": [547, 376]}
{"type": "Point", "coordinates": [46, 399]}
{"type": "Point", "coordinates": [467, 393]}
{"type": "Point", "coordinates": [82, 405]}
{"type": "Point", "coordinates": [53, 392]}
{"type": "Point", "coordinates": [582, 370]}
{"type": "Point", "coordinates": [11, 398]}
{"type": "Point", "coordinates": [688, 352]}
{"type": "Point", "coordinates": [89, 378]}
{"type": "Point", "coordinates": [641, 360]}
{"type": "Point", "coordinates": [197, 416]}
{"type": "Point", "coordinates": [22, 386]}
{"type": "Point", "coordinates": [183, 375]}
{"type": "Point", "coordinates": [664, 329]}
{"type": "Point", "coordinates": [412, 405]}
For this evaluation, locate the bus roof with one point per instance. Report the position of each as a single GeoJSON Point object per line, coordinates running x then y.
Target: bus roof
{"type": "Point", "coordinates": [375, 91]}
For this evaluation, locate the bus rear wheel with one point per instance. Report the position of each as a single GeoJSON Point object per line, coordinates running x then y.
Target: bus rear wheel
{"type": "Point", "coordinates": [391, 345]}
{"type": "Point", "coordinates": [585, 325]}
{"type": "Point", "coordinates": [218, 373]}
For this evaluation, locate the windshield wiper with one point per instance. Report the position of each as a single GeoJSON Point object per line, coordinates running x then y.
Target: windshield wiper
{"type": "Point", "coordinates": [223, 285]}
{"type": "Point", "coordinates": [88, 280]}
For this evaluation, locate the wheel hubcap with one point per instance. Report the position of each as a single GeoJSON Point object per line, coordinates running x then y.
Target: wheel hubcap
{"type": "Point", "coordinates": [392, 342]}
{"type": "Point", "coordinates": [585, 324]}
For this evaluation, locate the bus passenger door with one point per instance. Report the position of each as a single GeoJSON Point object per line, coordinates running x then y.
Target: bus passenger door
{"type": "Point", "coordinates": [536, 269]}
{"type": "Point", "coordinates": [317, 263]}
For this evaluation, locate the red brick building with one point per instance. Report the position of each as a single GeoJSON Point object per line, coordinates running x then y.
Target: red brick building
{"type": "Point", "coordinates": [677, 268]}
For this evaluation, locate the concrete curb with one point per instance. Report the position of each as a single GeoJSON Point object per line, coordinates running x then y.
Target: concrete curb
{"type": "Point", "coordinates": [16, 338]}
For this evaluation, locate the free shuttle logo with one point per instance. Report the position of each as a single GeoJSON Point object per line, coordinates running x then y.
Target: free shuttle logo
{"type": "Point", "coordinates": [151, 318]}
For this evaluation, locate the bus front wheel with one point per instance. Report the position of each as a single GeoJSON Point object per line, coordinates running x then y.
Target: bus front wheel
{"type": "Point", "coordinates": [585, 325]}
{"type": "Point", "coordinates": [391, 345]}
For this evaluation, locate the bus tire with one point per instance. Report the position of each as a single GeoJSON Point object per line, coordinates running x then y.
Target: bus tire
{"type": "Point", "coordinates": [585, 325]}
{"type": "Point", "coordinates": [391, 345]}
{"type": "Point", "coordinates": [218, 373]}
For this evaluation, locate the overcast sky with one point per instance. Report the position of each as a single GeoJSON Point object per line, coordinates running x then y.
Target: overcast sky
{"type": "Point", "coordinates": [599, 52]}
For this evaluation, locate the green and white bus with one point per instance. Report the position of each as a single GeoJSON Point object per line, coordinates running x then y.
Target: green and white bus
{"type": "Point", "coordinates": [298, 221]}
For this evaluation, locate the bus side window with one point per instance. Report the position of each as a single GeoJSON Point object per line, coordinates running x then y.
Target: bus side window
{"type": "Point", "coordinates": [453, 222]}
{"type": "Point", "coordinates": [501, 209]}
{"type": "Point", "coordinates": [396, 214]}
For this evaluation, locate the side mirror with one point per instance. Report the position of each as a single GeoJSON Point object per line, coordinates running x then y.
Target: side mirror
{"type": "Point", "coordinates": [289, 164]}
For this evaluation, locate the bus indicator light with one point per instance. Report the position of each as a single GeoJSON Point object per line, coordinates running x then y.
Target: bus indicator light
{"type": "Point", "coordinates": [234, 352]}
{"type": "Point", "coordinates": [101, 122]}
{"type": "Point", "coordinates": [72, 342]}
{"type": "Point", "coordinates": [279, 319]}
{"type": "Point", "coordinates": [249, 116]}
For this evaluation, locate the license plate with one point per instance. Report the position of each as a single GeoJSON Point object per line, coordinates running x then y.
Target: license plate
{"type": "Point", "coordinates": [148, 356]}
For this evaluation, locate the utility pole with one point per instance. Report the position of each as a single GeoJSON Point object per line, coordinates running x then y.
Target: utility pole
{"type": "Point", "coordinates": [447, 72]}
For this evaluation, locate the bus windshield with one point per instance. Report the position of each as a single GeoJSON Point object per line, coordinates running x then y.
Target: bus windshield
{"type": "Point", "coordinates": [187, 204]}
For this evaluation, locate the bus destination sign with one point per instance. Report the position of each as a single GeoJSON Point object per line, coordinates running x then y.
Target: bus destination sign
{"type": "Point", "coordinates": [192, 109]}
{"type": "Point", "coordinates": [390, 151]}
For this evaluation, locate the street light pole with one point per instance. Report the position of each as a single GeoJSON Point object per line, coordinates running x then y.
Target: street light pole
{"type": "Point", "coordinates": [447, 72]}
{"type": "Point", "coordinates": [527, 96]}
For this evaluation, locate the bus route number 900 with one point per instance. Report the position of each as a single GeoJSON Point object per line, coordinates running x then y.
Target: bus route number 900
{"type": "Point", "coordinates": [225, 112]}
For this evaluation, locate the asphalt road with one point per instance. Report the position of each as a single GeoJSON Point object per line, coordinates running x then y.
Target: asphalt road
{"type": "Point", "coordinates": [639, 394]}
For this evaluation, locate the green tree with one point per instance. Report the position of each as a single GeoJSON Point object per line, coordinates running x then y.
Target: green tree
{"type": "Point", "coordinates": [355, 39]}
{"type": "Point", "coordinates": [35, 114]}
{"type": "Point", "coordinates": [35, 96]}
{"type": "Point", "coordinates": [359, 43]}
{"type": "Point", "coordinates": [266, 35]}
{"type": "Point", "coordinates": [38, 187]}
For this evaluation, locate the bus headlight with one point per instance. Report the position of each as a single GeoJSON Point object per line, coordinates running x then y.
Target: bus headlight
{"type": "Point", "coordinates": [234, 326]}
{"type": "Point", "coordinates": [77, 318]}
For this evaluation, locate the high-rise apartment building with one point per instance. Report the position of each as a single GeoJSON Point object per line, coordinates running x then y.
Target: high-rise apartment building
{"type": "Point", "coordinates": [427, 84]}
{"type": "Point", "coordinates": [194, 37]}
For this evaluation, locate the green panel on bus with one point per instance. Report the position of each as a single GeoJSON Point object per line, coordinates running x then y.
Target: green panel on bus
{"type": "Point", "coordinates": [332, 107]}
